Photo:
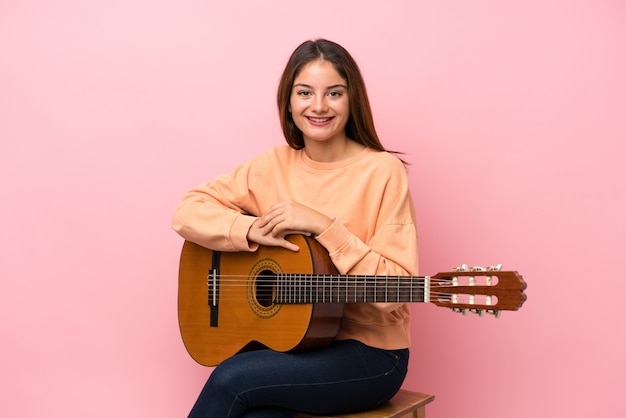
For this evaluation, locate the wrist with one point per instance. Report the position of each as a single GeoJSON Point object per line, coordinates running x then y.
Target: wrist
{"type": "Point", "coordinates": [324, 226]}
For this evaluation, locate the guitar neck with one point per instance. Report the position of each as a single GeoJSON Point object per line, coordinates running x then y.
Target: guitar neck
{"type": "Point", "coordinates": [325, 288]}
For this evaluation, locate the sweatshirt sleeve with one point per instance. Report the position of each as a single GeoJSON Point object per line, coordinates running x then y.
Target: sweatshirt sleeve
{"type": "Point", "coordinates": [391, 250]}
{"type": "Point", "coordinates": [218, 214]}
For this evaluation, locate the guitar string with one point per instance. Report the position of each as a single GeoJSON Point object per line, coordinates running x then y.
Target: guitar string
{"type": "Point", "coordinates": [447, 298]}
{"type": "Point", "coordinates": [342, 278]}
{"type": "Point", "coordinates": [406, 282]}
{"type": "Point", "coordinates": [345, 290]}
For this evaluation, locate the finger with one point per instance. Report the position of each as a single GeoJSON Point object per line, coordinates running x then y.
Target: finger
{"type": "Point", "coordinates": [290, 246]}
{"type": "Point", "coordinates": [262, 221]}
{"type": "Point", "coordinates": [276, 227]}
{"type": "Point", "coordinates": [271, 217]}
{"type": "Point", "coordinates": [267, 218]}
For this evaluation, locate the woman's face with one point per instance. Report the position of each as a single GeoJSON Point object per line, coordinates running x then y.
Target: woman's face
{"type": "Point", "coordinates": [319, 103]}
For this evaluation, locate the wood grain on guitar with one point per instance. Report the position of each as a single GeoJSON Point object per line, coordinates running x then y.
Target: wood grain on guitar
{"type": "Point", "coordinates": [293, 301]}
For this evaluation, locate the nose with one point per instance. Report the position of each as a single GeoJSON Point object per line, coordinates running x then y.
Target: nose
{"type": "Point", "coordinates": [319, 104]}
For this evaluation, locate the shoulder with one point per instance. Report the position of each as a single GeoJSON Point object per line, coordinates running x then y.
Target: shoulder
{"type": "Point", "coordinates": [276, 154]}
{"type": "Point", "coordinates": [384, 162]}
{"type": "Point", "coordinates": [273, 157]}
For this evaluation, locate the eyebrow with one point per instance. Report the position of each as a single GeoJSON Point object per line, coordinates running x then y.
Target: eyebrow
{"type": "Point", "coordinates": [334, 86]}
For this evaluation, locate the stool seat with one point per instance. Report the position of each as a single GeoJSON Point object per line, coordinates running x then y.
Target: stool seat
{"type": "Point", "coordinates": [405, 404]}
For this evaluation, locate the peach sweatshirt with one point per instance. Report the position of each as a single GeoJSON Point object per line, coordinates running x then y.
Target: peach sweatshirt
{"type": "Point", "coordinates": [373, 232]}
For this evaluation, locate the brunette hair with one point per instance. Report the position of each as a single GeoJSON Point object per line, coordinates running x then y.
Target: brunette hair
{"type": "Point", "coordinates": [360, 125]}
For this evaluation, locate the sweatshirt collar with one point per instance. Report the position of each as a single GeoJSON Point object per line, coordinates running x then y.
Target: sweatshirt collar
{"type": "Point", "coordinates": [334, 165]}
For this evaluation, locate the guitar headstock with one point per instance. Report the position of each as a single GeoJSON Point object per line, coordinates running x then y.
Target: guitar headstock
{"type": "Point", "coordinates": [478, 290]}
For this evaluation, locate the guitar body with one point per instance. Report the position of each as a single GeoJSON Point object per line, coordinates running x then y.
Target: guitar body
{"type": "Point", "coordinates": [233, 311]}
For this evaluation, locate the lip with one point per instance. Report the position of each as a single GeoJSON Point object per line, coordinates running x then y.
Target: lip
{"type": "Point", "coordinates": [320, 121]}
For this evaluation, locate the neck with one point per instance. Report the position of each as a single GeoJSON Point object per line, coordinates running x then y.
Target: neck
{"type": "Point", "coordinates": [338, 288]}
{"type": "Point", "coordinates": [331, 151]}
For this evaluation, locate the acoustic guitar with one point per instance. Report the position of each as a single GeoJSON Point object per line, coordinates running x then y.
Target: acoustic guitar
{"type": "Point", "coordinates": [229, 302]}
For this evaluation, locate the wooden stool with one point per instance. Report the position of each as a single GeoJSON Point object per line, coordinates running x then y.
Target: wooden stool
{"type": "Point", "coordinates": [404, 405]}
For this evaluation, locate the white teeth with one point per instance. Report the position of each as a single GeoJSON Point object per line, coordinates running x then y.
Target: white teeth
{"type": "Point", "coordinates": [319, 120]}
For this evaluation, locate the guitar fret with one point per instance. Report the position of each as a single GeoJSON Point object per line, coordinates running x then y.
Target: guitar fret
{"type": "Point", "coordinates": [329, 288]}
{"type": "Point", "coordinates": [307, 288]}
{"type": "Point", "coordinates": [386, 289]}
{"type": "Point", "coordinates": [348, 287]}
{"type": "Point", "coordinates": [398, 287]}
{"type": "Point", "coordinates": [337, 283]}
{"type": "Point", "coordinates": [340, 289]}
{"type": "Point", "coordinates": [374, 291]}
{"type": "Point", "coordinates": [363, 294]}
{"type": "Point", "coordinates": [299, 287]}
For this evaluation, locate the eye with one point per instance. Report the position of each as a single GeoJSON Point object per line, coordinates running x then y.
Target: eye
{"type": "Point", "coordinates": [335, 93]}
{"type": "Point", "coordinates": [304, 93]}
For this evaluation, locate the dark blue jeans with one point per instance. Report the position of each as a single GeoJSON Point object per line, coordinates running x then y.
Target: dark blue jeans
{"type": "Point", "coordinates": [348, 376]}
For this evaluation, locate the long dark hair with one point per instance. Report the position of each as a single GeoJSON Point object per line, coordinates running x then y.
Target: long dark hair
{"type": "Point", "coordinates": [360, 126]}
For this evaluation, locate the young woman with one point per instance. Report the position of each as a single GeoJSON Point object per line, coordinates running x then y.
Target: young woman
{"type": "Point", "coordinates": [334, 181]}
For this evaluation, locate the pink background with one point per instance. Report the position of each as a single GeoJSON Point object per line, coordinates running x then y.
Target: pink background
{"type": "Point", "coordinates": [512, 114]}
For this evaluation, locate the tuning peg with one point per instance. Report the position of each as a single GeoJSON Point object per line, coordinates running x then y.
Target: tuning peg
{"type": "Point", "coordinates": [460, 310]}
{"type": "Point", "coordinates": [494, 312]}
{"type": "Point", "coordinates": [463, 267]}
{"type": "Point", "coordinates": [495, 268]}
{"type": "Point", "coordinates": [478, 312]}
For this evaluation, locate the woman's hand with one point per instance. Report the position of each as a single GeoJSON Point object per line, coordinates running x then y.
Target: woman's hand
{"type": "Point", "coordinates": [285, 218]}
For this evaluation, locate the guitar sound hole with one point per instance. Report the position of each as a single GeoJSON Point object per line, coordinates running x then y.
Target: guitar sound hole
{"type": "Point", "coordinates": [265, 288]}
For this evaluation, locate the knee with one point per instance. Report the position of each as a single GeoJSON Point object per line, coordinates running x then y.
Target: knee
{"type": "Point", "coordinates": [227, 379]}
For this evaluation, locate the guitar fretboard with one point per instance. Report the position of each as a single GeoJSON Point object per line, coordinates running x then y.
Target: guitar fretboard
{"type": "Point", "coordinates": [325, 288]}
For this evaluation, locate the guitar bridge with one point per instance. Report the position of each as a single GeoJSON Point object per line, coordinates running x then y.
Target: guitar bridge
{"type": "Point", "coordinates": [213, 289]}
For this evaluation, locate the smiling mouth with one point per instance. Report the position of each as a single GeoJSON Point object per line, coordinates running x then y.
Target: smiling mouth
{"type": "Point", "coordinates": [319, 120]}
